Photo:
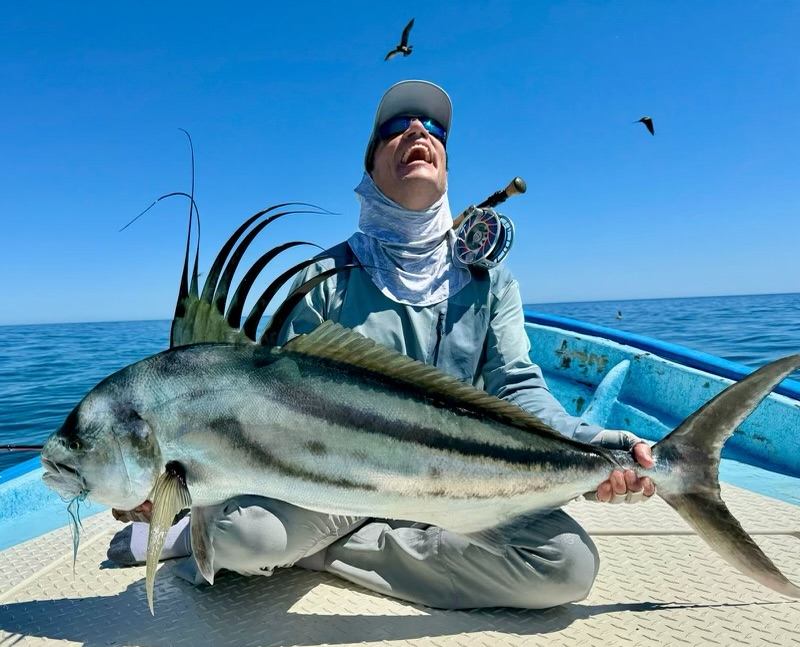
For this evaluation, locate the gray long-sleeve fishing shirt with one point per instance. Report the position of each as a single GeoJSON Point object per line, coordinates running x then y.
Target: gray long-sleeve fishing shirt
{"type": "Point", "coordinates": [477, 335]}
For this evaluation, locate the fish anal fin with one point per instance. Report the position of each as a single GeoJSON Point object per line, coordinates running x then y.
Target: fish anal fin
{"type": "Point", "coordinates": [333, 342]}
{"type": "Point", "coordinates": [170, 495]}
{"type": "Point", "coordinates": [202, 542]}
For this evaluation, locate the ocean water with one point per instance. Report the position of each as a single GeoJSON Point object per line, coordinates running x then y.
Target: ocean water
{"type": "Point", "coordinates": [46, 369]}
{"type": "Point", "coordinates": [751, 330]}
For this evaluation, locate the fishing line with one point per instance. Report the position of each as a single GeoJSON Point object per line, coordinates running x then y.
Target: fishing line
{"type": "Point", "coordinates": [192, 205]}
{"type": "Point", "coordinates": [75, 525]}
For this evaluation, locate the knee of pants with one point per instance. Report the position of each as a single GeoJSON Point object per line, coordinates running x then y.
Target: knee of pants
{"type": "Point", "coordinates": [572, 563]}
{"type": "Point", "coordinates": [253, 535]}
{"type": "Point", "coordinates": [249, 537]}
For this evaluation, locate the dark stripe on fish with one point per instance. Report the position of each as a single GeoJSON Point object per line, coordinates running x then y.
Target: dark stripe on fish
{"type": "Point", "coordinates": [234, 429]}
{"type": "Point", "coordinates": [312, 403]}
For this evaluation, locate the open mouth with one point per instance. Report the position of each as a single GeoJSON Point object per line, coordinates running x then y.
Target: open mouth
{"type": "Point", "coordinates": [52, 466]}
{"type": "Point", "coordinates": [417, 153]}
{"type": "Point", "coordinates": [63, 479]}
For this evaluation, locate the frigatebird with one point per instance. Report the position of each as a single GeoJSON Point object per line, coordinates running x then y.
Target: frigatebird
{"type": "Point", "coordinates": [647, 121]}
{"type": "Point", "coordinates": [403, 48]}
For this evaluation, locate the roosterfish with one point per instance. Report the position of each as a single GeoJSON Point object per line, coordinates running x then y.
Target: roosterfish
{"type": "Point", "coordinates": [333, 422]}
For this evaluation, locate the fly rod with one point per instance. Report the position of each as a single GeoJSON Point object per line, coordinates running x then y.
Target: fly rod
{"type": "Point", "coordinates": [515, 187]}
{"type": "Point", "coordinates": [21, 448]}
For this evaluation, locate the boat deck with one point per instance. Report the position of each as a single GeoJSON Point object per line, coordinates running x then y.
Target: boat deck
{"type": "Point", "coordinates": [659, 584]}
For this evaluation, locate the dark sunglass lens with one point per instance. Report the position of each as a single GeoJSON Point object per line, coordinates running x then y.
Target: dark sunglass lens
{"type": "Point", "coordinates": [435, 129]}
{"type": "Point", "coordinates": [397, 125]}
{"type": "Point", "coordinates": [393, 127]}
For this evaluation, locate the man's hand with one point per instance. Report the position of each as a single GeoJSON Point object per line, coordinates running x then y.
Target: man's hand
{"type": "Point", "coordinates": [624, 486]}
{"type": "Point", "coordinates": [143, 513]}
{"type": "Point", "coordinates": [139, 513]}
{"type": "Point", "coordinates": [627, 486]}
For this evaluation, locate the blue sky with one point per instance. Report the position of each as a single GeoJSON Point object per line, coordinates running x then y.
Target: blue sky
{"type": "Point", "coordinates": [279, 99]}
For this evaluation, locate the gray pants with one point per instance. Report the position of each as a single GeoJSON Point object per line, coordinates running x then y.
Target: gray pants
{"type": "Point", "coordinates": [544, 563]}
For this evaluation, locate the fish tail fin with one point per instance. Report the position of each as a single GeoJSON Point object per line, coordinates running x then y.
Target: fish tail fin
{"type": "Point", "coordinates": [709, 516]}
{"type": "Point", "coordinates": [693, 449]}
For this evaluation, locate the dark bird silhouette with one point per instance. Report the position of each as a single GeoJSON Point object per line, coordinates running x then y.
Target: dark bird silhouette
{"type": "Point", "coordinates": [647, 121]}
{"type": "Point", "coordinates": [403, 48]}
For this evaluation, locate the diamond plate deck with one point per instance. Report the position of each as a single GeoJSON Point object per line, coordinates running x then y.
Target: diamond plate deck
{"type": "Point", "coordinates": [658, 585]}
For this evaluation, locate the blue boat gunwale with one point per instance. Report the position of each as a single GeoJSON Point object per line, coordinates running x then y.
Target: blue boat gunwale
{"type": "Point", "coordinates": [673, 352]}
{"type": "Point", "coordinates": [20, 469]}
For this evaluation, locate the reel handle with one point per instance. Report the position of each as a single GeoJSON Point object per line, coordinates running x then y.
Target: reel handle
{"type": "Point", "coordinates": [515, 187]}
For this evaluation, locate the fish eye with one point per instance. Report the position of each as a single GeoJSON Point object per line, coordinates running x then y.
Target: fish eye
{"type": "Point", "coordinates": [74, 445]}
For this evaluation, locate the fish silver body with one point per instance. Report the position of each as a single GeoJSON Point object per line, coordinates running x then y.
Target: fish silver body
{"type": "Point", "coordinates": [336, 423]}
{"type": "Point", "coordinates": [319, 435]}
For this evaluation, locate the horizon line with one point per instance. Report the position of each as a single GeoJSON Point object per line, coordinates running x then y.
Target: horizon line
{"type": "Point", "coordinates": [524, 304]}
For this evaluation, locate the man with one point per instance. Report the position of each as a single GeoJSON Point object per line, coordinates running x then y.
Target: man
{"type": "Point", "coordinates": [412, 295]}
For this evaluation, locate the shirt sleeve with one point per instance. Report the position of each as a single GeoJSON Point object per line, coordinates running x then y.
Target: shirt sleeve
{"type": "Point", "coordinates": [509, 373]}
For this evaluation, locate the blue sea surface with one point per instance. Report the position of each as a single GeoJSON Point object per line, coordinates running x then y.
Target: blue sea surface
{"type": "Point", "coordinates": [752, 330]}
{"type": "Point", "coordinates": [46, 369]}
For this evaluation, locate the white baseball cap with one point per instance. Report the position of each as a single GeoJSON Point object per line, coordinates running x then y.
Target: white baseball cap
{"type": "Point", "coordinates": [414, 97]}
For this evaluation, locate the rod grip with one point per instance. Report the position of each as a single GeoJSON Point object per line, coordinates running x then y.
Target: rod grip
{"type": "Point", "coordinates": [515, 187]}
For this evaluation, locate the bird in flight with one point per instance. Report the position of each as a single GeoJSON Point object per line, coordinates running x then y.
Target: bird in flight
{"type": "Point", "coordinates": [647, 121]}
{"type": "Point", "coordinates": [403, 48]}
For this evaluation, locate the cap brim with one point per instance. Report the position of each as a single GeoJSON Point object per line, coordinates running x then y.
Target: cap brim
{"type": "Point", "coordinates": [412, 97]}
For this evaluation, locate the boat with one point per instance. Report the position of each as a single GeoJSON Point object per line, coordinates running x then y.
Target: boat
{"type": "Point", "coordinates": [658, 582]}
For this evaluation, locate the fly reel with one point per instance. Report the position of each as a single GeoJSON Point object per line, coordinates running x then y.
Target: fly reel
{"type": "Point", "coordinates": [483, 238]}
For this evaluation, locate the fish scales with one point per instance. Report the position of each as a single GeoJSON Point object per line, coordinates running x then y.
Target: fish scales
{"type": "Point", "coordinates": [291, 428]}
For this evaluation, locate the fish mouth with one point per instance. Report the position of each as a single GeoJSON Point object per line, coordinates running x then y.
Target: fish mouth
{"type": "Point", "coordinates": [64, 479]}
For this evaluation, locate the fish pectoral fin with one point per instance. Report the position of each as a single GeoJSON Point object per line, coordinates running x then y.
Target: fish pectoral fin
{"type": "Point", "coordinates": [170, 495]}
{"type": "Point", "coordinates": [202, 542]}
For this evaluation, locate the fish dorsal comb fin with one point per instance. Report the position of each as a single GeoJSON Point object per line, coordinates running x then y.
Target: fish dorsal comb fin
{"type": "Point", "coordinates": [332, 341]}
{"type": "Point", "coordinates": [201, 317]}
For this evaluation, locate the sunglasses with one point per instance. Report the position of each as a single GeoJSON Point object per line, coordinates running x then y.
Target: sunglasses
{"type": "Point", "coordinates": [398, 125]}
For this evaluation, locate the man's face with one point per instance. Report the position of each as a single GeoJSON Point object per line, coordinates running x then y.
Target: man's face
{"type": "Point", "coordinates": [411, 168]}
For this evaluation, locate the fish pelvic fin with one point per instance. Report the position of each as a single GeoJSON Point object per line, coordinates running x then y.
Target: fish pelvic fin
{"type": "Point", "coordinates": [693, 449]}
{"type": "Point", "coordinates": [202, 542]}
{"type": "Point", "coordinates": [170, 495]}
